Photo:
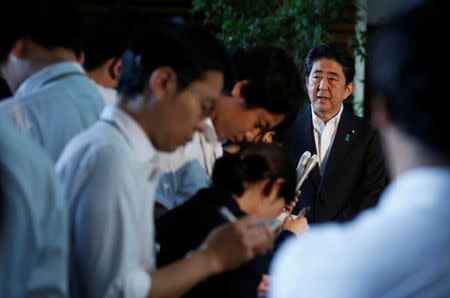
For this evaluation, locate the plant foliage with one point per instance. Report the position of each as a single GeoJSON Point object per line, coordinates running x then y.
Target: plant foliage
{"type": "Point", "coordinates": [294, 25]}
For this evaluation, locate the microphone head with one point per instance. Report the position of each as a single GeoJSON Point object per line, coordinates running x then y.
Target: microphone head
{"type": "Point", "coordinates": [303, 162]}
{"type": "Point", "coordinates": [312, 162]}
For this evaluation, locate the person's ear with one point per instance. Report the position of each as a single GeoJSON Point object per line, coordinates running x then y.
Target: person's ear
{"type": "Point", "coordinates": [237, 88]}
{"type": "Point", "coordinates": [81, 58]}
{"type": "Point", "coordinates": [20, 48]}
{"type": "Point", "coordinates": [114, 68]}
{"type": "Point", "coordinates": [271, 189]}
{"type": "Point", "coordinates": [349, 89]}
{"type": "Point", "coordinates": [163, 82]}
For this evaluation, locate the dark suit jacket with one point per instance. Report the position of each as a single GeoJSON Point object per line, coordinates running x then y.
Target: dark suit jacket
{"type": "Point", "coordinates": [184, 228]}
{"type": "Point", "coordinates": [355, 174]}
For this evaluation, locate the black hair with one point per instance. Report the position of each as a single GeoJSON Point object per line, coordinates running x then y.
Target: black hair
{"type": "Point", "coordinates": [107, 37]}
{"type": "Point", "coordinates": [12, 27]}
{"type": "Point", "coordinates": [274, 79]}
{"type": "Point", "coordinates": [406, 75]}
{"type": "Point", "coordinates": [255, 162]}
{"type": "Point", "coordinates": [189, 50]}
{"type": "Point", "coordinates": [8, 34]}
{"type": "Point", "coordinates": [49, 23]}
{"type": "Point", "coordinates": [334, 52]}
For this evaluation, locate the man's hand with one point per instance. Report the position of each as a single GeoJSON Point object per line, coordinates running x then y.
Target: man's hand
{"type": "Point", "coordinates": [230, 245]}
{"type": "Point", "coordinates": [296, 225]}
{"type": "Point", "coordinates": [263, 286]}
{"type": "Point", "coordinates": [288, 209]}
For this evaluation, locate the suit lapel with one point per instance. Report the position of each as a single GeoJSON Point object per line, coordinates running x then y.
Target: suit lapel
{"type": "Point", "coordinates": [342, 143]}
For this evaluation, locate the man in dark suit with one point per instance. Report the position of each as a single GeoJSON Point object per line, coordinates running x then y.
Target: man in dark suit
{"type": "Point", "coordinates": [351, 172]}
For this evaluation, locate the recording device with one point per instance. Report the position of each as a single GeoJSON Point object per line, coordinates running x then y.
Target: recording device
{"type": "Point", "coordinates": [302, 163]}
{"type": "Point", "coordinates": [305, 165]}
{"type": "Point", "coordinates": [312, 162]}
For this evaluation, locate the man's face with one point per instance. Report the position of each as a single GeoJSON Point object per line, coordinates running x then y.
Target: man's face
{"type": "Point", "coordinates": [184, 113]}
{"type": "Point", "coordinates": [327, 88]}
{"type": "Point", "coordinates": [235, 122]}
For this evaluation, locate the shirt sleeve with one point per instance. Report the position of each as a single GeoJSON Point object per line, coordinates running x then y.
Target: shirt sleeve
{"type": "Point", "coordinates": [176, 187]}
{"type": "Point", "coordinates": [51, 269]}
{"type": "Point", "coordinates": [34, 236]}
{"type": "Point", "coordinates": [106, 248]}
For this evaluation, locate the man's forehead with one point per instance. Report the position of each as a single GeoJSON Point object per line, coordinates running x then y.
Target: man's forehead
{"type": "Point", "coordinates": [327, 65]}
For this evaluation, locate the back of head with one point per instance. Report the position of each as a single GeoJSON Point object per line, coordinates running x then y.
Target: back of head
{"type": "Point", "coordinates": [274, 79]}
{"type": "Point", "coordinates": [409, 70]}
{"type": "Point", "coordinates": [10, 29]}
{"type": "Point", "coordinates": [334, 52]}
{"type": "Point", "coordinates": [190, 51]}
{"type": "Point", "coordinates": [48, 23]}
{"type": "Point", "coordinates": [252, 163]}
{"type": "Point", "coordinates": [106, 37]}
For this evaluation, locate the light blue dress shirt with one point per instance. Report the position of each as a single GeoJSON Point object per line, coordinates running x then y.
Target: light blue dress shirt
{"type": "Point", "coordinates": [189, 168]}
{"type": "Point", "coordinates": [110, 177]}
{"type": "Point", "coordinates": [53, 105]}
{"type": "Point", "coordinates": [34, 236]}
{"type": "Point", "coordinates": [399, 249]}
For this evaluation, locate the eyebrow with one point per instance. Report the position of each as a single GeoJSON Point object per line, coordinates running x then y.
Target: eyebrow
{"type": "Point", "coordinates": [327, 73]}
{"type": "Point", "coordinates": [333, 73]}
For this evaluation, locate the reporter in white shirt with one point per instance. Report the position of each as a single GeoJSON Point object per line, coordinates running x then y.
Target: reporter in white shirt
{"type": "Point", "coordinates": [267, 89]}
{"type": "Point", "coordinates": [53, 98]}
{"type": "Point", "coordinates": [169, 78]}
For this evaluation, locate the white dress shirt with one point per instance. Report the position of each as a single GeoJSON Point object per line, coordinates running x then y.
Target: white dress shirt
{"type": "Point", "coordinates": [109, 95]}
{"type": "Point", "coordinates": [110, 176]}
{"type": "Point", "coordinates": [399, 249]}
{"type": "Point", "coordinates": [211, 147]}
{"type": "Point", "coordinates": [53, 105]}
{"type": "Point", "coordinates": [189, 168]}
{"type": "Point", "coordinates": [324, 136]}
{"type": "Point", "coordinates": [34, 238]}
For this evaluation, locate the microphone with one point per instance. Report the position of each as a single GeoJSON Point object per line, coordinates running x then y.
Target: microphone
{"type": "Point", "coordinates": [304, 167]}
{"type": "Point", "coordinates": [312, 162]}
{"type": "Point", "coordinates": [302, 163]}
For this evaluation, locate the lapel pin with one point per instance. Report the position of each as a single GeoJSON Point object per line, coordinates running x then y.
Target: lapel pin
{"type": "Point", "coordinates": [348, 135]}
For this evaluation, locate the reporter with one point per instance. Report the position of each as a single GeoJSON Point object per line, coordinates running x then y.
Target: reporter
{"type": "Point", "coordinates": [258, 181]}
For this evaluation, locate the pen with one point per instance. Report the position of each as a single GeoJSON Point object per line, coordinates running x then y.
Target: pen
{"type": "Point", "coordinates": [227, 214]}
{"type": "Point", "coordinates": [303, 212]}
{"type": "Point", "coordinates": [273, 224]}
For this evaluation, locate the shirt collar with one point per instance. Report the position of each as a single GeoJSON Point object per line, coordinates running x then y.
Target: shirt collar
{"type": "Point", "coordinates": [210, 132]}
{"type": "Point", "coordinates": [110, 96]}
{"type": "Point", "coordinates": [131, 130]}
{"type": "Point", "coordinates": [319, 124]}
{"type": "Point", "coordinates": [37, 80]}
